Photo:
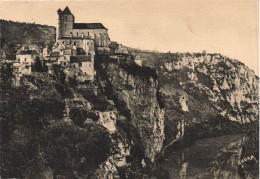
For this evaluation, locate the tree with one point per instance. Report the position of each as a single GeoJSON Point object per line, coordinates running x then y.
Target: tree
{"type": "Point", "coordinates": [58, 73]}
{"type": "Point", "coordinates": [68, 148]}
{"type": "Point", "coordinates": [6, 75]}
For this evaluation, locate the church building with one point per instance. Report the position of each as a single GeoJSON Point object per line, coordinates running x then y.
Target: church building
{"type": "Point", "coordinates": [76, 46]}
{"type": "Point", "coordinates": [82, 34]}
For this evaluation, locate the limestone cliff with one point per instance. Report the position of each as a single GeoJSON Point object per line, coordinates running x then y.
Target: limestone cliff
{"type": "Point", "coordinates": [118, 125]}
{"type": "Point", "coordinates": [219, 90]}
{"type": "Point", "coordinates": [223, 80]}
{"type": "Point", "coordinates": [136, 97]}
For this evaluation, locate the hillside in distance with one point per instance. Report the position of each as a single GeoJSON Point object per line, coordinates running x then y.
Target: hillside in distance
{"type": "Point", "coordinates": [14, 34]}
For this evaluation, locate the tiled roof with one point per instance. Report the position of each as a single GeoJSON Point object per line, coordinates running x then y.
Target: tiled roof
{"type": "Point", "coordinates": [80, 58]}
{"type": "Point", "coordinates": [88, 26]}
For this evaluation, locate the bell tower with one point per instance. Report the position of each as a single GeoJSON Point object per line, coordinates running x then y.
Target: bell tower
{"type": "Point", "coordinates": [66, 21]}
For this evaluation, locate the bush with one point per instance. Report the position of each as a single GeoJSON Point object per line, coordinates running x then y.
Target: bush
{"type": "Point", "coordinates": [136, 70]}
{"type": "Point", "coordinates": [204, 79]}
{"type": "Point", "coordinates": [63, 90]}
{"type": "Point", "coordinates": [99, 103]}
{"type": "Point", "coordinates": [223, 65]}
{"type": "Point", "coordinates": [68, 148]}
{"type": "Point", "coordinates": [79, 116]}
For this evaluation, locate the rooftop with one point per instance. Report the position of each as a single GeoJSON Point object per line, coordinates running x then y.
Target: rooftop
{"type": "Point", "coordinates": [88, 26]}
{"type": "Point", "coordinates": [66, 11]}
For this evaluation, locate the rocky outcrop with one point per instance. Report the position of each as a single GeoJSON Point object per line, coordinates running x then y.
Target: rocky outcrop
{"type": "Point", "coordinates": [108, 120]}
{"type": "Point", "coordinates": [136, 96]}
{"type": "Point", "coordinates": [117, 159]}
{"type": "Point", "coordinates": [221, 94]}
{"type": "Point", "coordinates": [222, 79]}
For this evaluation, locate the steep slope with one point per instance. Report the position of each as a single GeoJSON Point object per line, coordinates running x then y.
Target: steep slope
{"type": "Point", "coordinates": [135, 92]}
{"type": "Point", "coordinates": [77, 130]}
{"type": "Point", "coordinates": [210, 93]}
{"type": "Point", "coordinates": [120, 124]}
{"type": "Point", "coordinates": [14, 33]}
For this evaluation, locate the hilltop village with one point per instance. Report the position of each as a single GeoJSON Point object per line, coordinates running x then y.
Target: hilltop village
{"type": "Point", "coordinates": [83, 106]}
{"type": "Point", "coordinates": [75, 49]}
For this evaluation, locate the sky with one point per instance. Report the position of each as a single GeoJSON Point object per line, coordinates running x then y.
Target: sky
{"type": "Point", "coordinates": [229, 27]}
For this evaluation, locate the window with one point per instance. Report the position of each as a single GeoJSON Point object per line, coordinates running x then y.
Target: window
{"type": "Point", "coordinates": [25, 59]}
{"type": "Point", "coordinates": [87, 43]}
{"type": "Point", "coordinates": [77, 34]}
{"type": "Point", "coordinates": [56, 58]}
{"type": "Point", "coordinates": [90, 65]}
{"type": "Point", "coordinates": [66, 18]}
{"type": "Point", "coordinates": [88, 33]}
{"type": "Point", "coordinates": [80, 64]}
{"type": "Point", "coordinates": [74, 66]}
{"type": "Point", "coordinates": [75, 43]}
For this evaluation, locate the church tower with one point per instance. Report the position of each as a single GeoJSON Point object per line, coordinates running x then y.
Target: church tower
{"type": "Point", "coordinates": [66, 21]}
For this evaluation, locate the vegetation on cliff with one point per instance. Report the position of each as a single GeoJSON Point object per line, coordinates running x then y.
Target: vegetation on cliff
{"type": "Point", "coordinates": [14, 33]}
{"type": "Point", "coordinates": [35, 139]}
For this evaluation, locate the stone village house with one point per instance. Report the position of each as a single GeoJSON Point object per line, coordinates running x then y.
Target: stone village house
{"type": "Point", "coordinates": [26, 58]}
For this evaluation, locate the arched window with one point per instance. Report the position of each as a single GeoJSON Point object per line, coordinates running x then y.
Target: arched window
{"type": "Point", "coordinates": [77, 34]}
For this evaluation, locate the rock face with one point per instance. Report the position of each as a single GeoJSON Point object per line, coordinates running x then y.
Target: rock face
{"type": "Point", "coordinates": [232, 82]}
{"type": "Point", "coordinates": [142, 111]}
{"type": "Point", "coordinates": [137, 97]}
{"type": "Point", "coordinates": [108, 120]}
{"type": "Point", "coordinates": [117, 159]}
{"type": "Point", "coordinates": [215, 86]}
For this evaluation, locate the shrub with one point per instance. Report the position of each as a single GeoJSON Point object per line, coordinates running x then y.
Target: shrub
{"type": "Point", "coordinates": [79, 116]}
{"type": "Point", "coordinates": [68, 148]}
{"type": "Point", "coordinates": [205, 79]}
{"type": "Point", "coordinates": [99, 103]}
{"type": "Point", "coordinates": [136, 70]}
{"type": "Point", "coordinates": [63, 90]}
